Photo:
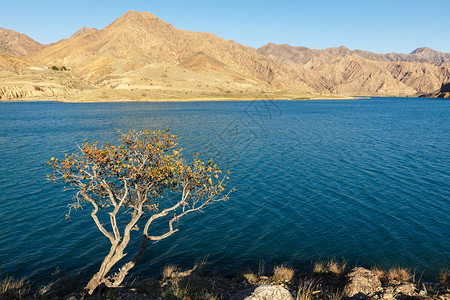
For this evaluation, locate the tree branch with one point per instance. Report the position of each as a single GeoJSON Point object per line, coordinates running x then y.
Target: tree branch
{"type": "Point", "coordinates": [113, 214]}
{"type": "Point", "coordinates": [159, 215]}
{"type": "Point", "coordinates": [94, 216]}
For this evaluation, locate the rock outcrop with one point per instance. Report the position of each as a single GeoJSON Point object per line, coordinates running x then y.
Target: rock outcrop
{"type": "Point", "coordinates": [83, 30]}
{"type": "Point", "coordinates": [264, 292]}
{"type": "Point", "coordinates": [20, 91]}
{"type": "Point", "coordinates": [362, 283]}
{"type": "Point", "coordinates": [443, 92]}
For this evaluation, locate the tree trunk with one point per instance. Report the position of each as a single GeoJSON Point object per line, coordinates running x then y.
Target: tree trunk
{"type": "Point", "coordinates": [119, 276]}
{"type": "Point", "coordinates": [110, 260]}
{"type": "Point", "coordinates": [113, 257]}
{"type": "Point", "coordinates": [94, 283]}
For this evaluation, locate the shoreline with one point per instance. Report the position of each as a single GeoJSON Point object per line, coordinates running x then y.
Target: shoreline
{"type": "Point", "coordinates": [198, 99]}
{"type": "Point", "coordinates": [327, 280]}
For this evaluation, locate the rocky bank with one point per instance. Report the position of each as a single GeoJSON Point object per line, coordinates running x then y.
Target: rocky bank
{"type": "Point", "coordinates": [332, 282]}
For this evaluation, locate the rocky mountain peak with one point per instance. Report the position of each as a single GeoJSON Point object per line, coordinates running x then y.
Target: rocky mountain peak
{"type": "Point", "coordinates": [135, 19]}
{"type": "Point", "coordinates": [84, 30]}
{"type": "Point", "coordinates": [423, 50]}
{"type": "Point", "coordinates": [341, 50]}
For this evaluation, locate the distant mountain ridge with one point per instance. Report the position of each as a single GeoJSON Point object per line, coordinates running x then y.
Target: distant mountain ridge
{"type": "Point", "coordinates": [343, 71]}
{"type": "Point", "coordinates": [304, 54]}
{"type": "Point", "coordinates": [139, 56]}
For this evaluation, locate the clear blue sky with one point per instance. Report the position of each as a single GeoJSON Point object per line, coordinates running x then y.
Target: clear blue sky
{"type": "Point", "coordinates": [379, 26]}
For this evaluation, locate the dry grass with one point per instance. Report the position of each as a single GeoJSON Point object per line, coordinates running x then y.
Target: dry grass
{"type": "Point", "coordinates": [319, 267]}
{"type": "Point", "coordinates": [305, 292]}
{"type": "Point", "coordinates": [334, 295]}
{"type": "Point", "coordinates": [380, 273]}
{"type": "Point", "coordinates": [336, 268]}
{"type": "Point", "coordinates": [398, 274]}
{"type": "Point", "coordinates": [283, 273]}
{"type": "Point", "coordinates": [310, 290]}
{"type": "Point", "coordinates": [261, 267]}
{"type": "Point", "coordinates": [175, 289]}
{"type": "Point", "coordinates": [444, 277]}
{"type": "Point", "coordinates": [250, 277]}
{"type": "Point", "coordinates": [332, 266]}
{"type": "Point", "coordinates": [13, 288]}
{"type": "Point", "coordinates": [170, 271]}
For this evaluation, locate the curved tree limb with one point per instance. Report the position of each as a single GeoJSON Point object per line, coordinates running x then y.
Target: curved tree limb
{"type": "Point", "coordinates": [94, 216]}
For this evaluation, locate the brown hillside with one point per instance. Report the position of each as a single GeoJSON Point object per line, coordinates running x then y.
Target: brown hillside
{"type": "Point", "coordinates": [200, 62]}
{"type": "Point", "coordinates": [17, 44]}
{"type": "Point", "coordinates": [10, 63]}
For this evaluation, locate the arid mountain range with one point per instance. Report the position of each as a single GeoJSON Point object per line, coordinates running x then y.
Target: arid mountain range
{"type": "Point", "coordinates": [141, 57]}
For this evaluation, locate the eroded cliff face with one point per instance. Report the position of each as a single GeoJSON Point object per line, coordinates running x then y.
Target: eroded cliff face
{"type": "Point", "coordinates": [347, 72]}
{"type": "Point", "coordinates": [23, 91]}
{"type": "Point", "coordinates": [443, 92]}
{"type": "Point", "coordinates": [445, 88]}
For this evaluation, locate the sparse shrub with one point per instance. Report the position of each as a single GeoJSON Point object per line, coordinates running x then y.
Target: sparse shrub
{"type": "Point", "coordinates": [55, 68]}
{"type": "Point", "coordinates": [283, 273]}
{"type": "Point", "coordinates": [398, 274]}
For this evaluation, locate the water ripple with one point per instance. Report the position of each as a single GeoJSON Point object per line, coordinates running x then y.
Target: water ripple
{"type": "Point", "coordinates": [367, 180]}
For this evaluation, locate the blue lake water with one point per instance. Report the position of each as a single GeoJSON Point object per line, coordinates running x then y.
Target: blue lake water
{"type": "Point", "coordinates": [365, 180]}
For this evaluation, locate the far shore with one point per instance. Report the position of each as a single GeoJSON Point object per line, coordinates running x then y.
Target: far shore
{"type": "Point", "coordinates": [184, 99]}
